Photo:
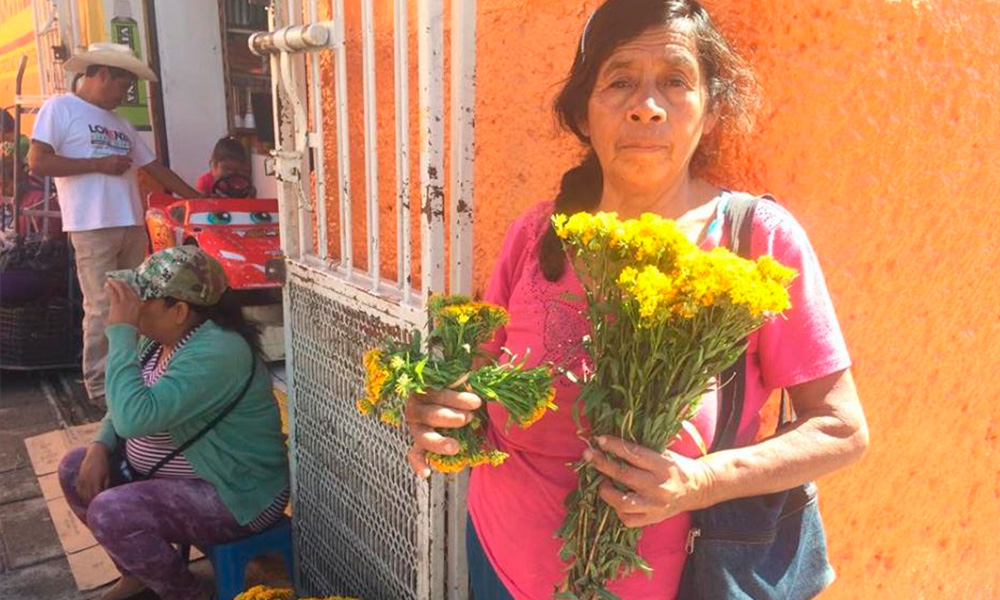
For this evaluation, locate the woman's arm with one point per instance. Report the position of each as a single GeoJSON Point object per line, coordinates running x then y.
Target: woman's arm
{"type": "Point", "coordinates": [829, 433]}
{"type": "Point", "coordinates": [200, 380]}
{"type": "Point", "coordinates": [106, 434]}
{"type": "Point", "coordinates": [44, 162]}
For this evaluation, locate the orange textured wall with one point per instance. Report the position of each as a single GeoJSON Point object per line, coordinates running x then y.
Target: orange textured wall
{"type": "Point", "coordinates": [882, 134]}
{"type": "Point", "coordinates": [385, 107]}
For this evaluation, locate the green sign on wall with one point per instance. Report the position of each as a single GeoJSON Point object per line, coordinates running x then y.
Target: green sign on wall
{"type": "Point", "coordinates": [124, 30]}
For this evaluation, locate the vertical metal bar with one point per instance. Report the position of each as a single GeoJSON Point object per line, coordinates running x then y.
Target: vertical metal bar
{"type": "Point", "coordinates": [43, 67]}
{"type": "Point", "coordinates": [401, 72]}
{"type": "Point", "coordinates": [430, 67]}
{"type": "Point", "coordinates": [294, 73]}
{"type": "Point", "coordinates": [47, 194]}
{"type": "Point", "coordinates": [316, 146]}
{"type": "Point", "coordinates": [74, 24]}
{"type": "Point", "coordinates": [371, 132]}
{"type": "Point", "coordinates": [289, 245]}
{"type": "Point", "coordinates": [430, 72]}
{"type": "Point", "coordinates": [343, 144]}
{"type": "Point", "coordinates": [463, 104]}
{"type": "Point", "coordinates": [288, 220]}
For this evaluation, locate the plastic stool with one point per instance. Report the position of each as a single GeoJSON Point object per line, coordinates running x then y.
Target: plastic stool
{"type": "Point", "coordinates": [230, 560]}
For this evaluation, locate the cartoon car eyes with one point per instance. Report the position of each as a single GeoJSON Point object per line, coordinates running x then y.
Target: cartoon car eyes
{"type": "Point", "coordinates": [234, 218]}
{"type": "Point", "coordinates": [220, 217]}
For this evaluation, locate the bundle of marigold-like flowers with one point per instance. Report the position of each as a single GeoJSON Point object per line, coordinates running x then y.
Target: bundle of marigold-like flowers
{"type": "Point", "coordinates": [263, 592]}
{"type": "Point", "coordinates": [667, 317]}
{"type": "Point", "coordinates": [397, 370]}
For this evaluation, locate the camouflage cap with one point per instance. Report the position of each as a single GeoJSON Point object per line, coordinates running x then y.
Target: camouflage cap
{"type": "Point", "coordinates": [186, 273]}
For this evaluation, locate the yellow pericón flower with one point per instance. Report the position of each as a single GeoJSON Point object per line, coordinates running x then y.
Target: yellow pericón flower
{"type": "Point", "coordinates": [447, 464]}
{"type": "Point", "coordinates": [390, 417]}
{"type": "Point", "coordinates": [465, 312]}
{"type": "Point", "coordinates": [546, 403]}
{"type": "Point", "coordinates": [402, 383]}
{"type": "Point", "coordinates": [375, 376]}
{"type": "Point", "coordinates": [261, 592]}
{"type": "Point", "coordinates": [653, 290]}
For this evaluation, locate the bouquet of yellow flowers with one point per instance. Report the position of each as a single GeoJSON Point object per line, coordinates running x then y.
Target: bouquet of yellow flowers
{"type": "Point", "coordinates": [263, 592]}
{"type": "Point", "coordinates": [396, 370]}
{"type": "Point", "coordinates": [666, 317]}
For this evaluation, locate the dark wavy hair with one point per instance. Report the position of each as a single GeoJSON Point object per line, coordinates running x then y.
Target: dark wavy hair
{"type": "Point", "coordinates": [229, 148]}
{"type": "Point", "coordinates": [227, 313]}
{"type": "Point", "coordinates": [732, 92]}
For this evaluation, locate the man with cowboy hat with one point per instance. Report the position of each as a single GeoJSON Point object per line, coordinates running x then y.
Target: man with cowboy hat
{"type": "Point", "coordinates": [94, 154]}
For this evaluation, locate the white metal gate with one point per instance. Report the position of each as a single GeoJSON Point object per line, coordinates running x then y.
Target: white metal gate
{"type": "Point", "coordinates": [364, 524]}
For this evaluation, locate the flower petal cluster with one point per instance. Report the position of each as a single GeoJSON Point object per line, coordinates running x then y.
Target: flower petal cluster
{"type": "Point", "coordinates": [263, 592]}
{"type": "Point", "coordinates": [666, 318]}
{"type": "Point", "coordinates": [395, 371]}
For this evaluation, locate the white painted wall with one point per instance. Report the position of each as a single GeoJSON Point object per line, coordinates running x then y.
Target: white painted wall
{"type": "Point", "coordinates": [194, 97]}
{"type": "Point", "coordinates": [267, 186]}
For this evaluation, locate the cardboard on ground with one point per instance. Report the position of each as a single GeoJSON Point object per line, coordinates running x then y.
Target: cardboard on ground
{"type": "Point", "coordinates": [90, 564]}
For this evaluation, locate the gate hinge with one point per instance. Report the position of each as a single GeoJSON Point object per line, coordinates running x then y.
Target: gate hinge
{"type": "Point", "coordinates": [286, 166]}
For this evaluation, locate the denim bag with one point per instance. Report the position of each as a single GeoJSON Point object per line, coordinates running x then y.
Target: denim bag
{"type": "Point", "coordinates": [769, 547]}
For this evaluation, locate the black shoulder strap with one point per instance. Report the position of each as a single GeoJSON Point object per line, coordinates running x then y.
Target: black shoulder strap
{"type": "Point", "coordinates": [215, 421]}
{"type": "Point", "coordinates": [738, 215]}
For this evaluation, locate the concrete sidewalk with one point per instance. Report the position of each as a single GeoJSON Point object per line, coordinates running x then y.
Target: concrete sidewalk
{"type": "Point", "coordinates": [32, 563]}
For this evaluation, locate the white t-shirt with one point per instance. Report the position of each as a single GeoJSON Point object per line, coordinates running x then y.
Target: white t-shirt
{"type": "Point", "coordinates": [76, 128]}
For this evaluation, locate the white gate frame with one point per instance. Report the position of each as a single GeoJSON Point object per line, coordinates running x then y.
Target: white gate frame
{"type": "Point", "coordinates": [443, 572]}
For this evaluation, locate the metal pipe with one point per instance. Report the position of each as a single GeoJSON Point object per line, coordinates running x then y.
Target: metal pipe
{"type": "Point", "coordinates": [430, 71]}
{"type": "Point", "coordinates": [291, 38]}
{"type": "Point", "coordinates": [463, 106]}
{"type": "Point", "coordinates": [18, 159]}
{"type": "Point", "coordinates": [401, 70]}
{"type": "Point", "coordinates": [316, 148]}
{"type": "Point", "coordinates": [301, 126]}
{"type": "Point", "coordinates": [343, 143]}
{"type": "Point", "coordinates": [371, 133]}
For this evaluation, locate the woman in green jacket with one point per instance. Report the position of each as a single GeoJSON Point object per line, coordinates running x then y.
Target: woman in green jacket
{"type": "Point", "coordinates": [182, 365]}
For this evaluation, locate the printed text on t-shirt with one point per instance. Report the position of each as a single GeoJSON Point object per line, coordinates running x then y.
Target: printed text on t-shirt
{"type": "Point", "coordinates": [106, 142]}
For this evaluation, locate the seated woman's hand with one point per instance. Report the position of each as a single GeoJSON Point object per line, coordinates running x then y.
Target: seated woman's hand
{"type": "Point", "coordinates": [444, 409]}
{"type": "Point", "coordinates": [95, 472]}
{"type": "Point", "coordinates": [125, 303]}
{"type": "Point", "coordinates": [659, 486]}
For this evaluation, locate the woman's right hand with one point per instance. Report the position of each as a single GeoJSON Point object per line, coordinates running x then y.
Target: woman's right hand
{"type": "Point", "coordinates": [95, 472]}
{"type": "Point", "coordinates": [445, 409]}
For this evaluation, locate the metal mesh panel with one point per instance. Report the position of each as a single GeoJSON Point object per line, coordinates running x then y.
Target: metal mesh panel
{"type": "Point", "coordinates": [360, 514]}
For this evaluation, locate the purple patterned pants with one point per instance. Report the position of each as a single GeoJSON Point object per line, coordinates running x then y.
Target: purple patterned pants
{"type": "Point", "coordinates": [136, 523]}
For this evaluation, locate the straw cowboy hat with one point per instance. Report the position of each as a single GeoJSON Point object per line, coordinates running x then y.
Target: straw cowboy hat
{"type": "Point", "coordinates": [107, 54]}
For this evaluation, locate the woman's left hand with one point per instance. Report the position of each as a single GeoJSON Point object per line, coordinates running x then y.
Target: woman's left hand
{"type": "Point", "coordinates": [660, 486]}
{"type": "Point", "coordinates": [125, 303]}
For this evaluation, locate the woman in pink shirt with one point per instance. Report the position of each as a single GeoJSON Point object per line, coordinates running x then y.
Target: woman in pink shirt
{"type": "Point", "coordinates": [653, 88]}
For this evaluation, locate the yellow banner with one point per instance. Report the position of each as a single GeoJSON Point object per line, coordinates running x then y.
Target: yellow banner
{"type": "Point", "coordinates": [9, 8]}
{"type": "Point", "coordinates": [17, 39]}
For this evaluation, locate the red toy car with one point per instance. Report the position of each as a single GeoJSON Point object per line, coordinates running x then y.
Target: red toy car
{"type": "Point", "coordinates": [241, 233]}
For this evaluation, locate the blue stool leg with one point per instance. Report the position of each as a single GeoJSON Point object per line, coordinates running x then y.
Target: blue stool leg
{"type": "Point", "coordinates": [230, 568]}
{"type": "Point", "coordinates": [290, 566]}
{"type": "Point", "coordinates": [289, 555]}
